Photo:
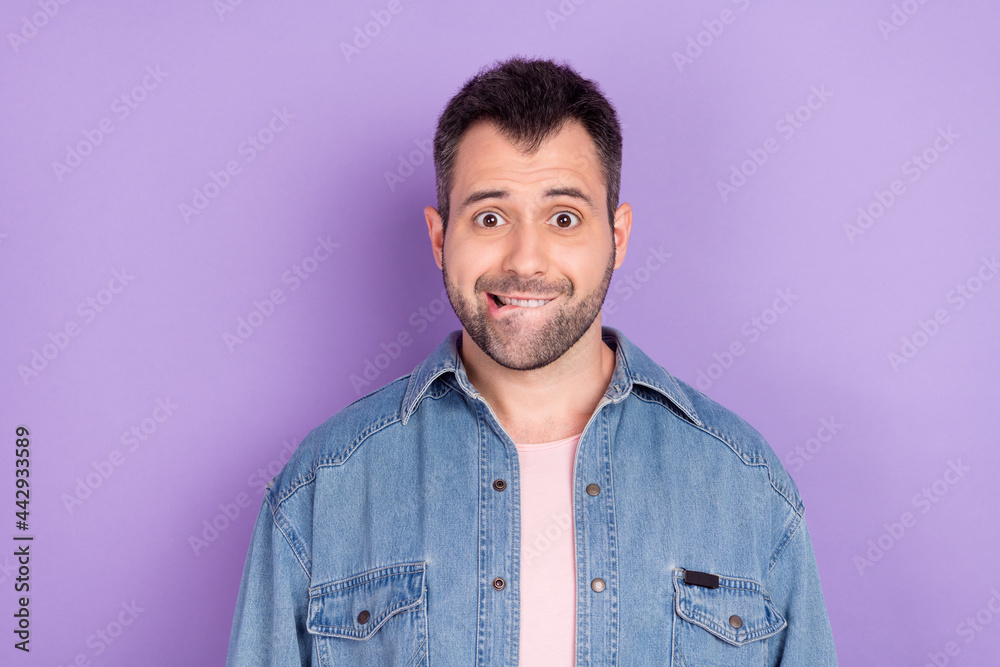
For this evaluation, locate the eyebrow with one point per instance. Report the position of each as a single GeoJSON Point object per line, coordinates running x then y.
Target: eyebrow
{"type": "Point", "coordinates": [480, 195]}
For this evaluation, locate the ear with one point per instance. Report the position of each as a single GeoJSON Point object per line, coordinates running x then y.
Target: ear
{"type": "Point", "coordinates": [435, 229]}
{"type": "Point", "coordinates": [623, 227]}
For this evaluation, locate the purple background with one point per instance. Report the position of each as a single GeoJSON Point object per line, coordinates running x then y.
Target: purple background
{"type": "Point", "coordinates": [357, 117]}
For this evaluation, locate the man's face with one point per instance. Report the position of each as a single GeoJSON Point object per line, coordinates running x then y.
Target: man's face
{"type": "Point", "coordinates": [529, 228]}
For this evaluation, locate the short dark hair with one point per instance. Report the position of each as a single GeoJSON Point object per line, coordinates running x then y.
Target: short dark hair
{"type": "Point", "coordinates": [528, 100]}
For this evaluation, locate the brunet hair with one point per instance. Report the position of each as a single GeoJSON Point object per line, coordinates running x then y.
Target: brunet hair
{"type": "Point", "coordinates": [528, 100]}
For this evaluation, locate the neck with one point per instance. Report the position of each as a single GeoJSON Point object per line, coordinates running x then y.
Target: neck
{"type": "Point", "coordinates": [548, 403]}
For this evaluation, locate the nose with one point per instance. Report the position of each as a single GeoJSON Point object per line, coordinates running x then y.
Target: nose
{"type": "Point", "coordinates": [526, 253]}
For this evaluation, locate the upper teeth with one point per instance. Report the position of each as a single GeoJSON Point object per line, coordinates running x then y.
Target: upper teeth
{"type": "Point", "coordinates": [530, 303]}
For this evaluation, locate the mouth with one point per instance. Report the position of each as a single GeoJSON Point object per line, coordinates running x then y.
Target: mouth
{"type": "Point", "coordinates": [502, 304]}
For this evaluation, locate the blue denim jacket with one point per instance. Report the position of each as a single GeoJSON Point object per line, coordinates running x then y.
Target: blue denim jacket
{"type": "Point", "coordinates": [390, 539]}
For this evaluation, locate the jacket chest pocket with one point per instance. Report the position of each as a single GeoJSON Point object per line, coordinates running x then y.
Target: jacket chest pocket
{"type": "Point", "coordinates": [377, 617]}
{"type": "Point", "coordinates": [722, 625]}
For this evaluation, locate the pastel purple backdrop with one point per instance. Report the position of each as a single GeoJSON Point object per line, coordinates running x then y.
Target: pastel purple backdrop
{"type": "Point", "coordinates": [211, 230]}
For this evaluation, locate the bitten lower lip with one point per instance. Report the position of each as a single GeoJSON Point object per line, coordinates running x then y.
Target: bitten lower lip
{"type": "Point", "coordinates": [499, 310]}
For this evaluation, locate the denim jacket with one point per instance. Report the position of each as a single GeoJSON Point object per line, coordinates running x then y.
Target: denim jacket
{"type": "Point", "coordinates": [392, 535]}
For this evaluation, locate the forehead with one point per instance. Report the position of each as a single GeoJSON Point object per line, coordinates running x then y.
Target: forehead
{"type": "Point", "coordinates": [486, 157]}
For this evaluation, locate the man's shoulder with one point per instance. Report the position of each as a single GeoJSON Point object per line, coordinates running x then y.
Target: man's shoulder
{"type": "Point", "coordinates": [727, 428]}
{"type": "Point", "coordinates": [333, 441]}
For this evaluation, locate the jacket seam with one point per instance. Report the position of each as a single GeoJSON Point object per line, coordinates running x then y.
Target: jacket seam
{"type": "Point", "coordinates": [743, 456]}
{"type": "Point", "coordinates": [754, 460]}
{"type": "Point", "coordinates": [295, 485]}
{"type": "Point", "coordinates": [281, 528]}
{"type": "Point", "coordinates": [670, 404]}
{"type": "Point", "coordinates": [340, 458]}
{"type": "Point", "coordinates": [377, 390]}
{"type": "Point", "coordinates": [780, 549]}
{"type": "Point", "coordinates": [320, 587]}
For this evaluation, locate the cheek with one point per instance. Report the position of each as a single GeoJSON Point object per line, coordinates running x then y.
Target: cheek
{"type": "Point", "coordinates": [585, 270]}
{"type": "Point", "coordinates": [466, 262]}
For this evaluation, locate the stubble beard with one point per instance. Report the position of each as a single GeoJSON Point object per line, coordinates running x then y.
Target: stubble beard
{"type": "Point", "coordinates": [512, 341]}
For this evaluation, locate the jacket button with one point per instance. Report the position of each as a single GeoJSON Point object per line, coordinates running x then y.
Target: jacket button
{"type": "Point", "coordinates": [736, 621]}
{"type": "Point", "coordinates": [593, 489]}
{"type": "Point", "coordinates": [597, 584]}
{"type": "Point", "coordinates": [499, 484]}
{"type": "Point", "coordinates": [499, 583]}
{"type": "Point", "coordinates": [363, 617]}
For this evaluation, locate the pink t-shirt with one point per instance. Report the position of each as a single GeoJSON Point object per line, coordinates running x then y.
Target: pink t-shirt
{"type": "Point", "coordinates": [548, 565]}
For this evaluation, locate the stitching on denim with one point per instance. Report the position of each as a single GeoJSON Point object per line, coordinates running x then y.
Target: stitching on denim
{"type": "Point", "coordinates": [780, 549]}
{"type": "Point", "coordinates": [483, 486]}
{"type": "Point", "coordinates": [421, 650]}
{"type": "Point", "coordinates": [375, 391]}
{"type": "Point", "coordinates": [340, 458]}
{"type": "Point", "coordinates": [319, 651]}
{"type": "Point", "coordinates": [295, 485]}
{"type": "Point", "coordinates": [746, 458]}
{"type": "Point", "coordinates": [669, 404]}
{"type": "Point", "coordinates": [613, 534]}
{"type": "Point", "coordinates": [755, 460]}
{"type": "Point", "coordinates": [431, 394]}
{"type": "Point", "coordinates": [275, 510]}
{"type": "Point", "coordinates": [412, 399]}
{"type": "Point", "coordinates": [651, 383]}
{"type": "Point", "coordinates": [389, 571]}
{"type": "Point", "coordinates": [777, 487]}
{"type": "Point", "coordinates": [749, 585]}
{"type": "Point", "coordinates": [400, 608]}
{"type": "Point", "coordinates": [742, 583]}
{"type": "Point", "coordinates": [708, 622]}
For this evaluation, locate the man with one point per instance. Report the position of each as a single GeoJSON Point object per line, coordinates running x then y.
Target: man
{"type": "Point", "coordinates": [537, 491]}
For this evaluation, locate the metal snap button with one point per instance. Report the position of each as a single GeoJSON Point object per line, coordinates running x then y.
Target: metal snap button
{"type": "Point", "coordinates": [363, 617]}
{"type": "Point", "coordinates": [593, 489]}
{"type": "Point", "coordinates": [499, 484]}
{"type": "Point", "coordinates": [499, 583]}
{"type": "Point", "coordinates": [597, 585]}
{"type": "Point", "coordinates": [736, 621]}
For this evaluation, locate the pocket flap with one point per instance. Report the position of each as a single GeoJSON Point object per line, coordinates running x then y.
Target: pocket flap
{"type": "Point", "coordinates": [356, 607]}
{"type": "Point", "coordinates": [737, 611]}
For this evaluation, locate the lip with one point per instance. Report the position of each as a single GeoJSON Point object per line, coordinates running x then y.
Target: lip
{"type": "Point", "coordinates": [496, 310]}
{"type": "Point", "coordinates": [525, 297]}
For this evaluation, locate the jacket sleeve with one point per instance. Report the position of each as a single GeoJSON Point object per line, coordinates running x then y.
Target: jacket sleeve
{"type": "Point", "coordinates": [269, 625]}
{"type": "Point", "coordinates": [794, 585]}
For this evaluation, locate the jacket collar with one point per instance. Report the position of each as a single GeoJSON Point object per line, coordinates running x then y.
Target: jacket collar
{"type": "Point", "coordinates": [632, 367]}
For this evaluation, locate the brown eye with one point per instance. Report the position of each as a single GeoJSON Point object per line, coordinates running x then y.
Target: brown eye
{"type": "Point", "coordinates": [489, 219]}
{"type": "Point", "coordinates": [566, 220]}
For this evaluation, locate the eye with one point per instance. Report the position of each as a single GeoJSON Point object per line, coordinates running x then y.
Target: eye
{"type": "Point", "coordinates": [565, 219]}
{"type": "Point", "coordinates": [488, 219]}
